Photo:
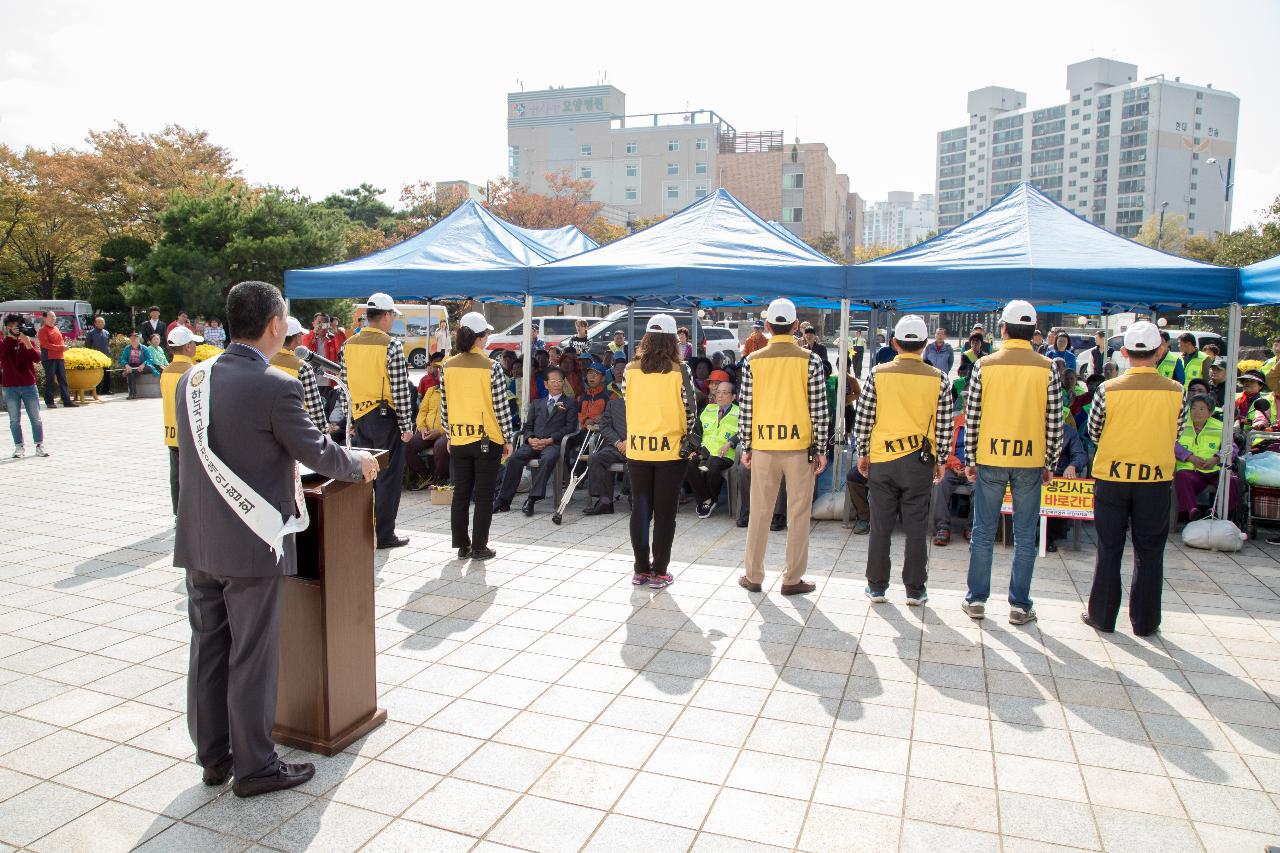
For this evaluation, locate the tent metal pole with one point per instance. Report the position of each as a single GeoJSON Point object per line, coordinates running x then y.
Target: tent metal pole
{"type": "Point", "coordinates": [526, 380]}
{"type": "Point", "coordinates": [631, 330]}
{"type": "Point", "coordinates": [842, 370]}
{"type": "Point", "coordinates": [1223, 503]}
{"type": "Point", "coordinates": [431, 330]}
{"type": "Point", "coordinates": [694, 328]}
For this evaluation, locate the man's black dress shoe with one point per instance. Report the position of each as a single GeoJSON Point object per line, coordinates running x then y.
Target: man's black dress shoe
{"type": "Point", "coordinates": [286, 776]}
{"type": "Point", "coordinates": [742, 522]}
{"type": "Point", "coordinates": [483, 553]}
{"type": "Point", "coordinates": [599, 508]}
{"type": "Point", "coordinates": [219, 772]}
{"type": "Point", "coordinates": [501, 507]}
{"type": "Point", "coordinates": [779, 523]}
{"type": "Point", "coordinates": [397, 542]}
{"type": "Point", "coordinates": [464, 552]}
{"type": "Point", "coordinates": [529, 504]}
{"type": "Point", "coordinates": [1088, 620]}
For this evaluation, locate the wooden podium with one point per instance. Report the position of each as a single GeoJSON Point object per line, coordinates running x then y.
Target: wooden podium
{"type": "Point", "coordinates": [327, 696]}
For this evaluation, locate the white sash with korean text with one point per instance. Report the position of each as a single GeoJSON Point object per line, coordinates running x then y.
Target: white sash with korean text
{"type": "Point", "coordinates": [258, 514]}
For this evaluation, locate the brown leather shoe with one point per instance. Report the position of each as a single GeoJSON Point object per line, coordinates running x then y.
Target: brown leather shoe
{"type": "Point", "coordinates": [799, 588]}
{"type": "Point", "coordinates": [748, 585]}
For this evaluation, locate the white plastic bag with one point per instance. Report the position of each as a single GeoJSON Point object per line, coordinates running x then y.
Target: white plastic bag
{"type": "Point", "coordinates": [1213, 534]}
{"type": "Point", "coordinates": [1263, 469]}
{"type": "Point", "coordinates": [829, 506]}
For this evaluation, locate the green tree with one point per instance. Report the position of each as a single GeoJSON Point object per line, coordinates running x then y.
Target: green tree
{"type": "Point", "coordinates": [362, 204]}
{"type": "Point", "coordinates": [110, 272]}
{"type": "Point", "coordinates": [1174, 237]}
{"type": "Point", "coordinates": [209, 243]}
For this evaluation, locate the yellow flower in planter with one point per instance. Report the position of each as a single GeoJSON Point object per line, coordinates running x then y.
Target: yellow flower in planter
{"type": "Point", "coordinates": [204, 352]}
{"type": "Point", "coordinates": [83, 358]}
{"type": "Point", "coordinates": [1248, 364]}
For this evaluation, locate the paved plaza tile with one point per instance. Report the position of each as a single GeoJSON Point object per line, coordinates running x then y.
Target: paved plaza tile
{"type": "Point", "coordinates": [539, 702]}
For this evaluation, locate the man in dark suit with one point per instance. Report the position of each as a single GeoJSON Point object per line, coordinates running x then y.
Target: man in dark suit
{"type": "Point", "coordinates": [549, 420]}
{"type": "Point", "coordinates": [257, 427]}
{"type": "Point", "coordinates": [152, 326]}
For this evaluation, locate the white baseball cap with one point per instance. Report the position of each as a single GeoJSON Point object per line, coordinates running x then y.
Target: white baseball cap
{"type": "Point", "coordinates": [911, 329]}
{"type": "Point", "coordinates": [1019, 312]}
{"type": "Point", "coordinates": [181, 336]}
{"type": "Point", "coordinates": [292, 327]}
{"type": "Point", "coordinates": [1142, 336]}
{"type": "Point", "coordinates": [664, 323]}
{"type": "Point", "coordinates": [382, 302]}
{"type": "Point", "coordinates": [475, 321]}
{"type": "Point", "coordinates": [781, 312]}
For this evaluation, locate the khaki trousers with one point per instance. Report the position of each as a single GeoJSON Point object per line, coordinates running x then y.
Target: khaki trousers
{"type": "Point", "coordinates": [769, 468]}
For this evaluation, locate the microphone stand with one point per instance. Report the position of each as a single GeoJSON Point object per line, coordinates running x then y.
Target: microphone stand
{"type": "Point", "coordinates": [346, 393]}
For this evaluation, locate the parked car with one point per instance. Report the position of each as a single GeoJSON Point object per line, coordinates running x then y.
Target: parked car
{"type": "Point", "coordinates": [550, 329]}
{"type": "Point", "coordinates": [414, 328]}
{"type": "Point", "coordinates": [75, 318]}
{"type": "Point", "coordinates": [712, 339]}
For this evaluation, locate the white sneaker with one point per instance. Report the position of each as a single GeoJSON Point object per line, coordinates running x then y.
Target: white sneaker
{"type": "Point", "coordinates": [974, 609]}
{"type": "Point", "coordinates": [1018, 616]}
{"type": "Point", "coordinates": [40, 451]}
{"type": "Point", "coordinates": [917, 600]}
{"type": "Point", "coordinates": [19, 451]}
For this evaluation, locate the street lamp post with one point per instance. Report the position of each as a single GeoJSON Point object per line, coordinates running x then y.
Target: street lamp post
{"type": "Point", "coordinates": [1227, 183]}
{"type": "Point", "coordinates": [1160, 237]}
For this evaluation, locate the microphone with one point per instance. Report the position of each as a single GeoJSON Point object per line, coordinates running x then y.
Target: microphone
{"type": "Point", "coordinates": [305, 354]}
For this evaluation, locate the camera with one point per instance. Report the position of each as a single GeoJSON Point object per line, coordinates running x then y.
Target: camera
{"type": "Point", "coordinates": [24, 328]}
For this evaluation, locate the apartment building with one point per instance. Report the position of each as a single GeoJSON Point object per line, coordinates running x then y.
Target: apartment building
{"type": "Point", "coordinates": [902, 219]}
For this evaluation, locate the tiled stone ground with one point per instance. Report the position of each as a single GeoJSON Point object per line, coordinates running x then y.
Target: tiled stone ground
{"type": "Point", "coordinates": [539, 702]}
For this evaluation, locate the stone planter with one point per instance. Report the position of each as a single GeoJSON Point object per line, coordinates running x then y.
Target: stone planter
{"type": "Point", "coordinates": [84, 380]}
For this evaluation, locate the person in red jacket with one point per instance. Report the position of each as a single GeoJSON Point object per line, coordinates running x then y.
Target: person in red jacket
{"type": "Point", "coordinates": [52, 348]}
{"type": "Point", "coordinates": [18, 359]}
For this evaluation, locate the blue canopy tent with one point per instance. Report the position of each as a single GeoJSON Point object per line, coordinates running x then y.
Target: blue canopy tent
{"type": "Point", "coordinates": [1260, 282]}
{"type": "Point", "coordinates": [561, 242]}
{"type": "Point", "coordinates": [1027, 246]}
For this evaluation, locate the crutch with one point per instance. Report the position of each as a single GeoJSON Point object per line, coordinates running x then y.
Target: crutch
{"type": "Point", "coordinates": [589, 445]}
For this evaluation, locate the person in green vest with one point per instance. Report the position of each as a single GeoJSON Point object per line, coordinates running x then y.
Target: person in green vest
{"type": "Point", "coordinates": [718, 451]}
{"type": "Point", "coordinates": [1170, 366]}
{"type": "Point", "coordinates": [1194, 362]}
{"type": "Point", "coordinates": [1270, 364]}
{"type": "Point", "coordinates": [1197, 464]}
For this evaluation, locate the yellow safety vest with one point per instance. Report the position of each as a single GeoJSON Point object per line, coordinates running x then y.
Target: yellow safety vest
{"type": "Point", "coordinates": [1168, 365]}
{"type": "Point", "coordinates": [468, 396]}
{"type": "Point", "coordinates": [718, 431]}
{"type": "Point", "coordinates": [1193, 369]}
{"type": "Point", "coordinates": [1141, 426]}
{"type": "Point", "coordinates": [169, 396]}
{"type": "Point", "coordinates": [1015, 392]}
{"type": "Point", "coordinates": [288, 362]}
{"type": "Point", "coordinates": [366, 359]}
{"type": "Point", "coordinates": [906, 407]}
{"type": "Point", "coordinates": [1204, 444]}
{"type": "Point", "coordinates": [656, 423]}
{"type": "Point", "coordinates": [780, 418]}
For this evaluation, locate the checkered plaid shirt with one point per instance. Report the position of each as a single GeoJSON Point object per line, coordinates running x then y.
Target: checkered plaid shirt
{"type": "Point", "coordinates": [864, 420]}
{"type": "Point", "coordinates": [501, 408]}
{"type": "Point", "coordinates": [1052, 418]}
{"type": "Point", "coordinates": [397, 377]}
{"type": "Point", "coordinates": [818, 413]}
{"type": "Point", "coordinates": [311, 395]}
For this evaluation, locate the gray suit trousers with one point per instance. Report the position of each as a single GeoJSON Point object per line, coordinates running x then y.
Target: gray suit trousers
{"type": "Point", "coordinates": [231, 686]}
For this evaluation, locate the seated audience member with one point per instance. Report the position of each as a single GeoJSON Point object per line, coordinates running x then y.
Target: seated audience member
{"type": "Point", "coordinates": [1198, 464]}
{"type": "Point", "coordinates": [546, 423]}
{"type": "Point", "coordinates": [158, 357]}
{"type": "Point", "coordinates": [1252, 386]}
{"type": "Point", "coordinates": [613, 450]}
{"type": "Point", "coordinates": [952, 477]}
{"type": "Point", "coordinates": [1062, 349]}
{"type": "Point", "coordinates": [718, 449]}
{"type": "Point", "coordinates": [975, 349]}
{"type": "Point", "coordinates": [1218, 386]}
{"type": "Point", "coordinates": [428, 437]}
{"type": "Point", "coordinates": [1073, 462]}
{"type": "Point", "coordinates": [574, 383]}
{"type": "Point", "coordinates": [134, 360]}
{"type": "Point", "coordinates": [591, 405]}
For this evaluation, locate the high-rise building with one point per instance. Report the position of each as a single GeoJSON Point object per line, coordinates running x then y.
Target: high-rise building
{"type": "Point", "coordinates": [654, 164]}
{"type": "Point", "coordinates": [475, 192]}
{"type": "Point", "coordinates": [1118, 150]}
{"type": "Point", "coordinates": [903, 219]}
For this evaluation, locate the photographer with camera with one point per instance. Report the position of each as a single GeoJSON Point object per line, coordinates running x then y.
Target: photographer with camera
{"type": "Point", "coordinates": [18, 359]}
{"type": "Point", "coordinates": [719, 448]}
{"type": "Point", "coordinates": [661, 412]}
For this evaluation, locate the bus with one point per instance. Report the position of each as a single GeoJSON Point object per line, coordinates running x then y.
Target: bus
{"type": "Point", "coordinates": [74, 317]}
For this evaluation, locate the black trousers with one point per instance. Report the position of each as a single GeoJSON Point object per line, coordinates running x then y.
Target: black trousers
{"type": "Point", "coordinates": [520, 457]}
{"type": "Point", "coordinates": [1142, 509]}
{"type": "Point", "coordinates": [599, 477]}
{"type": "Point", "coordinates": [380, 431]}
{"type": "Point", "coordinates": [231, 685]}
{"type": "Point", "coordinates": [173, 477]}
{"type": "Point", "coordinates": [55, 379]}
{"type": "Point", "coordinates": [901, 485]}
{"type": "Point", "coordinates": [655, 496]}
{"type": "Point", "coordinates": [706, 485]}
{"type": "Point", "coordinates": [475, 474]}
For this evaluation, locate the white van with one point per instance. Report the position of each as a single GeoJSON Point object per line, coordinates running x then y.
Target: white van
{"type": "Point", "coordinates": [75, 317]}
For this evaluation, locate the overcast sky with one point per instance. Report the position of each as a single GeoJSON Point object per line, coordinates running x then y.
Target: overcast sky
{"type": "Point", "coordinates": [322, 96]}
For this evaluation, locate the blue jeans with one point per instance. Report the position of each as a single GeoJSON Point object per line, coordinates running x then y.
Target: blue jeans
{"type": "Point", "coordinates": [988, 494]}
{"type": "Point", "coordinates": [14, 400]}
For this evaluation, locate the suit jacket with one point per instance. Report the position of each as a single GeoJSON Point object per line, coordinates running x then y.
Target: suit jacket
{"type": "Point", "coordinates": [542, 423]}
{"type": "Point", "coordinates": [148, 329]}
{"type": "Point", "coordinates": [613, 426]}
{"type": "Point", "coordinates": [258, 427]}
